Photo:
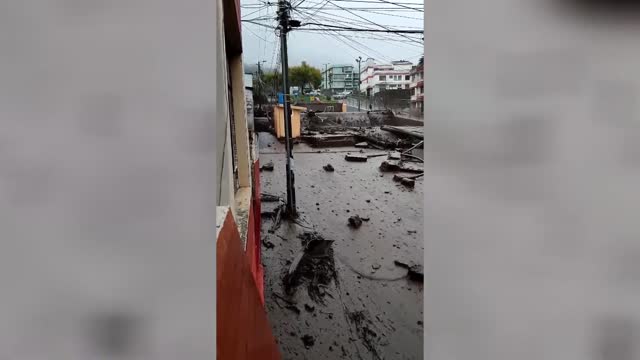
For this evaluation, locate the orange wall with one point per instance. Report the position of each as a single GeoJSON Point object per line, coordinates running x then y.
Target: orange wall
{"type": "Point", "coordinates": [243, 329]}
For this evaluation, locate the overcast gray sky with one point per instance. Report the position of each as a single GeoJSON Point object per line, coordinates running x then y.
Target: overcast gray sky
{"type": "Point", "coordinates": [319, 48]}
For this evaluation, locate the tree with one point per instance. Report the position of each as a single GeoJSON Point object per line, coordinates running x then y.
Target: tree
{"type": "Point", "coordinates": [273, 81]}
{"type": "Point", "coordinates": [304, 75]}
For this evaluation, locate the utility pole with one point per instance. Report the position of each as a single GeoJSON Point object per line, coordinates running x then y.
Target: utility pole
{"type": "Point", "coordinates": [326, 76]}
{"type": "Point", "coordinates": [260, 87]}
{"type": "Point", "coordinates": [359, 59]}
{"type": "Point", "coordinates": [285, 25]}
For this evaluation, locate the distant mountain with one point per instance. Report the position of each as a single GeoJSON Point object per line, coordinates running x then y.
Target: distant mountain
{"type": "Point", "coordinates": [253, 68]}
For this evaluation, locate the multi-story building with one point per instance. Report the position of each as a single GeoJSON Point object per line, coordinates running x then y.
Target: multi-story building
{"type": "Point", "coordinates": [339, 78]}
{"type": "Point", "coordinates": [417, 87]}
{"type": "Point", "coordinates": [376, 77]}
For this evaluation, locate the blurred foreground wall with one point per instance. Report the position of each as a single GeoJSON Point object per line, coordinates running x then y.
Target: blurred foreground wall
{"type": "Point", "coordinates": [531, 219]}
{"type": "Point", "coordinates": [107, 178]}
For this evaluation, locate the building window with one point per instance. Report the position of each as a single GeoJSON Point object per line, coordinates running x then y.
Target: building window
{"type": "Point", "coordinates": [408, 77]}
{"type": "Point", "coordinates": [383, 77]}
{"type": "Point", "coordinates": [406, 86]}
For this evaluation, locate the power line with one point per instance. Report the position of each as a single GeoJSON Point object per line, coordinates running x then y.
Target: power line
{"type": "Point", "coordinates": [260, 18]}
{"type": "Point", "coordinates": [338, 8]}
{"type": "Point", "coordinates": [258, 36]}
{"type": "Point", "coordinates": [260, 24]}
{"type": "Point", "coordinates": [397, 4]}
{"type": "Point", "coordinates": [253, 12]}
{"type": "Point", "coordinates": [377, 2]}
{"type": "Point", "coordinates": [367, 20]}
{"type": "Point", "coordinates": [363, 46]}
{"type": "Point", "coordinates": [394, 15]}
{"type": "Point", "coordinates": [356, 23]}
{"type": "Point", "coordinates": [349, 20]}
{"type": "Point", "coordinates": [343, 28]}
{"type": "Point", "coordinates": [386, 38]}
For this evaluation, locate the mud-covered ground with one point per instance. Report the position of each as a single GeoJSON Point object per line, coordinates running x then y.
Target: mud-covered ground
{"type": "Point", "coordinates": [369, 309]}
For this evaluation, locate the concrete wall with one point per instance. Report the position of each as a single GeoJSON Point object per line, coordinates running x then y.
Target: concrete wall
{"type": "Point", "coordinates": [224, 177]}
{"type": "Point", "coordinates": [107, 179]}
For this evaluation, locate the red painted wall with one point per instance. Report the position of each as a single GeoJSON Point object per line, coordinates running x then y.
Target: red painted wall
{"type": "Point", "coordinates": [254, 243]}
{"type": "Point", "coordinates": [243, 329]}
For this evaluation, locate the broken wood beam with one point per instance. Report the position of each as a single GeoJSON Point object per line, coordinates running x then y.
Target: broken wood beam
{"type": "Point", "coordinates": [399, 130]}
{"type": "Point", "coordinates": [356, 158]}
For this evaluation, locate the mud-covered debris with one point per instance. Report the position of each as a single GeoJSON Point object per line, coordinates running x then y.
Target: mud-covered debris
{"type": "Point", "coordinates": [365, 218]}
{"type": "Point", "coordinates": [308, 236]}
{"type": "Point", "coordinates": [416, 273]}
{"type": "Point", "coordinates": [308, 341]}
{"type": "Point", "coordinates": [365, 331]}
{"type": "Point", "coordinates": [355, 221]}
{"type": "Point", "coordinates": [268, 244]}
{"type": "Point", "coordinates": [376, 155]}
{"type": "Point", "coordinates": [412, 231]}
{"type": "Point", "coordinates": [356, 158]}
{"type": "Point", "coordinates": [267, 167]}
{"type": "Point", "coordinates": [412, 169]}
{"type": "Point", "coordinates": [420, 322]}
{"type": "Point", "coordinates": [362, 145]}
{"type": "Point", "coordinates": [390, 165]}
{"type": "Point", "coordinates": [289, 305]}
{"type": "Point", "coordinates": [309, 308]}
{"type": "Point", "coordinates": [279, 212]}
{"type": "Point", "coordinates": [410, 183]}
{"type": "Point", "coordinates": [269, 198]}
{"type": "Point", "coordinates": [375, 266]}
{"type": "Point", "coordinates": [314, 266]}
{"type": "Point", "coordinates": [267, 214]}
{"type": "Point", "coordinates": [395, 155]}
{"type": "Point", "coordinates": [293, 308]}
{"type": "Point", "coordinates": [278, 296]}
{"type": "Point", "coordinates": [397, 178]}
{"type": "Point", "coordinates": [328, 168]}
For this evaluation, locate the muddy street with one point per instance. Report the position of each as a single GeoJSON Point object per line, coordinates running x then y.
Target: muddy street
{"type": "Point", "coordinates": [334, 290]}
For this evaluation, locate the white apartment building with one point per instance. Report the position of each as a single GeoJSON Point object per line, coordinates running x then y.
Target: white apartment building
{"type": "Point", "coordinates": [417, 87]}
{"type": "Point", "coordinates": [375, 77]}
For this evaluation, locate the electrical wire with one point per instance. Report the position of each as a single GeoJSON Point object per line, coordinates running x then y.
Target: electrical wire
{"type": "Point", "coordinates": [260, 24]}
{"type": "Point", "coordinates": [253, 12]}
{"type": "Point", "coordinates": [348, 20]}
{"type": "Point", "coordinates": [391, 38]}
{"type": "Point", "coordinates": [367, 20]}
{"type": "Point", "coordinates": [344, 28]}
{"type": "Point", "coordinates": [393, 15]}
{"type": "Point", "coordinates": [338, 8]}
{"type": "Point", "coordinates": [397, 4]}
{"type": "Point", "coordinates": [258, 36]}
